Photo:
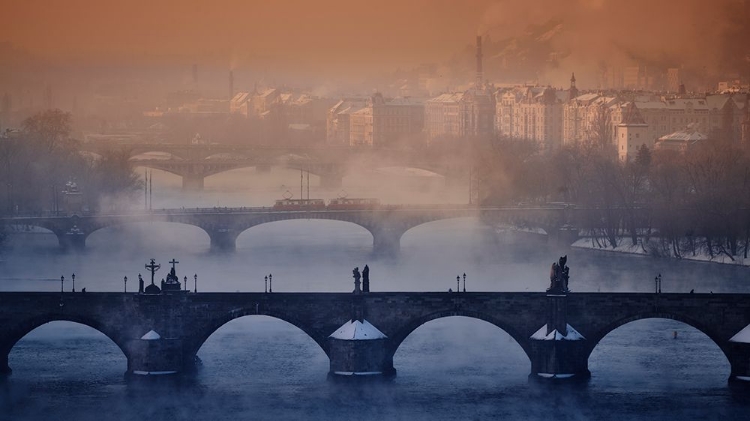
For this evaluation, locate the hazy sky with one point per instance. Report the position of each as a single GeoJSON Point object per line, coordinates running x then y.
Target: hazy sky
{"type": "Point", "coordinates": [292, 31]}
{"type": "Point", "coordinates": [334, 37]}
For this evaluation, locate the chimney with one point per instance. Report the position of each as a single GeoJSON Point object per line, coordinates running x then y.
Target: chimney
{"type": "Point", "coordinates": [231, 84]}
{"type": "Point", "coordinates": [480, 75]}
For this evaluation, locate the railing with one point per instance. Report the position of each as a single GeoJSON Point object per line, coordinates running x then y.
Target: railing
{"type": "Point", "coordinates": [270, 209]}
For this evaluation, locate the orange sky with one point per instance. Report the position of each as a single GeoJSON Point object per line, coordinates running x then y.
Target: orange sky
{"type": "Point", "coordinates": [289, 31]}
{"type": "Point", "coordinates": [340, 38]}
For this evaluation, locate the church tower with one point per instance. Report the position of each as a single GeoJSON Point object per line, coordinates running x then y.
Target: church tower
{"type": "Point", "coordinates": [573, 91]}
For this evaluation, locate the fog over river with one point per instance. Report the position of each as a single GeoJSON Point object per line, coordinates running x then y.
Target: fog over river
{"type": "Point", "coordinates": [257, 367]}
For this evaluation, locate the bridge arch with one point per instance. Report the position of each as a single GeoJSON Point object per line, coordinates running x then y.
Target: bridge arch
{"type": "Point", "coordinates": [13, 334]}
{"type": "Point", "coordinates": [352, 227]}
{"type": "Point", "coordinates": [99, 228]}
{"type": "Point", "coordinates": [400, 335]}
{"type": "Point", "coordinates": [597, 336]}
{"type": "Point", "coordinates": [437, 220]}
{"type": "Point", "coordinates": [196, 341]}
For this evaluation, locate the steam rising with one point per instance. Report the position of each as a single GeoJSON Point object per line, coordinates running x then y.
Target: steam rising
{"type": "Point", "coordinates": [699, 35]}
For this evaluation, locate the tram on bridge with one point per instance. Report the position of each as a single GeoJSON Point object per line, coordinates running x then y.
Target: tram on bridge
{"type": "Point", "coordinates": [341, 203]}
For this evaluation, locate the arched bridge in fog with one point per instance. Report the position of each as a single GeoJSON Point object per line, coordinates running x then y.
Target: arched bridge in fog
{"type": "Point", "coordinates": [557, 332]}
{"type": "Point", "coordinates": [196, 162]}
{"type": "Point", "coordinates": [387, 224]}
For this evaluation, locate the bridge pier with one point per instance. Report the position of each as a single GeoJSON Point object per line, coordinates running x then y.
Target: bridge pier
{"type": "Point", "coordinates": [739, 359]}
{"type": "Point", "coordinates": [154, 357]}
{"type": "Point", "coordinates": [358, 349]}
{"type": "Point", "coordinates": [557, 351]}
{"type": "Point", "coordinates": [360, 359]}
{"type": "Point", "coordinates": [193, 182]}
{"type": "Point", "coordinates": [386, 241]}
{"type": "Point", "coordinates": [72, 240]}
{"type": "Point", "coordinates": [223, 240]}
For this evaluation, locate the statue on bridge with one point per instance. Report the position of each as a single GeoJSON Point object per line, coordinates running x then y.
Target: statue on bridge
{"type": "Point", "coordinates": [366, 279]}
{"type": "Point", "coordinates": [152, 267]}
{"type": "Point", "coordinates": [172, 282]}
{"type": "Point", "coordinates": [357, 276]}
{"type": "Point", "coordinates": [558, 277]}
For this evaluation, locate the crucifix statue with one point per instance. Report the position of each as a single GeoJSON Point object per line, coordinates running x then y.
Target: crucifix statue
{"type": "Point", "coordinates": [153, 267]}
{"type": "Point", "coordinates": [173, 273]}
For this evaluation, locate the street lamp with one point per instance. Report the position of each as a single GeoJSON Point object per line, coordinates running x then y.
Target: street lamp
{"type": "Point", "coordinates": [659, 278]}
{"type": "Point", "coordinates": [270, 283]}
{"type": "Point", "coordinates": [125, 280]}
{"type": "Point", "coordinates": [195, 283]}
{"type": "Point", "coordinates": [265, 284]}
{"type": "Point", "coordinates": [62, 280]}
{"type": "Point", "coordinates": [74, 282]}
{"type": "Point", "coordinates": [458, 283]}
{"type": "Point", "coordinates": [184, 281]}
{"type": "Point", "coordinates": [464, 282]}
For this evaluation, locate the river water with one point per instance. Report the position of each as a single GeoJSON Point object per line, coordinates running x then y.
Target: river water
{"type": "Point", "coordinates": [258, 368]}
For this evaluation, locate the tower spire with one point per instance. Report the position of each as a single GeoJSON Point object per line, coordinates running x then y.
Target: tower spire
{"type": "Point", "coordinates": [573, 91]}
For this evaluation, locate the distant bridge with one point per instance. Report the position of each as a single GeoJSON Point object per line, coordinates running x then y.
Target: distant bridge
{"type": "Point", "coordinates": [387, 224]}
{"type": "Point", "coordinates": [557, 332]}
{"type": "Point", "coordinates": [196, 162]}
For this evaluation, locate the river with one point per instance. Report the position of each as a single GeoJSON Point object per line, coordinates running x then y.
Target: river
{"type": "Point", "coordinates": [257, 368]}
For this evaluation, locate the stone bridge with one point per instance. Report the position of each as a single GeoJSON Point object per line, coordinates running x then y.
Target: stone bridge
{"type": "Point", "coordinates": [196, 162]}
{"type": "Point", "coordinates": [557, 332]}
{"type": "Point", "coordinates": [387, 224]}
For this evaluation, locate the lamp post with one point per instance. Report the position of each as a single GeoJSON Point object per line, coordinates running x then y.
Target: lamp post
{"type": "Point", "coordinates": [184, 281]}
{"type": "Point", "coordinates": [62, 280]}
{"type": "Point", "coordinates": [265, 284]}
{"type": "Point", "coordinates": [464, 282]}
{"type": "Point", "coordinates": [270, 282]}
{"type": "Point", "coordinates": [125, 281]}
{"type": "Point", "coordinates": [659, 278]}
{"type": "Point", "coordinates": [74, 282]}
{"type": "Point", "coordinates": [195, 283]}
{"type": "Point", "coordinates": [458, 283]}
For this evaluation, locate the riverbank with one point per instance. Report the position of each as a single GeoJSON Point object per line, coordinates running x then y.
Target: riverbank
{"type": "Point", "coordinates": [653, 248]}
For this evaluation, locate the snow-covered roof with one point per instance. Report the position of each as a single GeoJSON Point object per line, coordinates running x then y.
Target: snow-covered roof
{"type": "Point", "coordinates": [447, 97]}
{"type": "Point", "coordinates": [151, 336]}
{"type": "Point", "coordinates": [542, 335]}
{"type": "Point", "coordinates": [650, 105]}
{"type": "Point", "coordinates": [683, 103]}
{"type": "Point", "coordinates": [688, 135]}
{"type": "Point", "coordinates": [586, 97]}
{"type": "Point", "coordinates": [354, 330]}
{"type": "Point", "coordinates": [743, 336]}
{"type": "Point", "coordinates": [241, 97]}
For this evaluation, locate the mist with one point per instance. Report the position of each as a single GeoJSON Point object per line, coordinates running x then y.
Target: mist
{"type": "Point", "coordinates": [146, 107]}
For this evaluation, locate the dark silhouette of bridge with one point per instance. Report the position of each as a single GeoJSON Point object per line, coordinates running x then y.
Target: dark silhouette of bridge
{"type": "Point", "coordinates": [196, 162]}
{"type": "Point", "coordinates": [387, 224]}
{"type": "Point", "coordinates": [557, 332]}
